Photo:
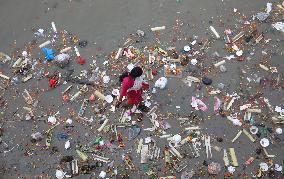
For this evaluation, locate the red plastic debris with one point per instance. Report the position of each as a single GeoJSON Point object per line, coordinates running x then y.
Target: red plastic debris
{"type": "Point", "coordinates": [81, 60]}
{"type": "Point", "coordinates": [154, 72]}
{"type": "Point", "coordinates": [53, 82]}
{"type": "Point", "coordinates": [65, 98]}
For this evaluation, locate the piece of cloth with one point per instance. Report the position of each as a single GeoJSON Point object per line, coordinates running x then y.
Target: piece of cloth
{"type": "Point", "coordinates": [133, 96]}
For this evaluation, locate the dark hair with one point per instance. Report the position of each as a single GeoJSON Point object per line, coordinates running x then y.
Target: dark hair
{"type": "Point", "coordinates": [122, 76]}
{"type": "Point", "coordinates": [134, 73]}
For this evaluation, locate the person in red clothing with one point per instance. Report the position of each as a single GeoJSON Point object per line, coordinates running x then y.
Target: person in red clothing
{"type": "Point", "coordinates": [132, 86]}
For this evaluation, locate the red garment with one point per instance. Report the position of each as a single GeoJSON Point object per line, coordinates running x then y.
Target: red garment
{"type": "Point", "coordinates": [133, 96]}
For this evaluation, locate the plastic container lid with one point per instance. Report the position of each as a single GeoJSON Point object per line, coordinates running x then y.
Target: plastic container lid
{"type": "Point", "coordinates": [253, 129]}
{"type": "Point", "coordinates": [177, 138]}
{"type": "Point", "coordinates": [193, 62]}
{"type": "Point", "coordinates": [109, 99]}
{"type": "Point", "coordinates": [264, 142]}
{"type": "Point", "coordinates": [115, 92]}
{"type": "Point", "coordinates": [278, 130]}
{"type": "Point", "coordinates": [186, 48]}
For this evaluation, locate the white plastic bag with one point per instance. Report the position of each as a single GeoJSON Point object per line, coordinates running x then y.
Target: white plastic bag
{"type": "Point", "coordinates": [62, 57]}
{"type": "Point", "coordinates": [278, 26]}
{"type": "Point", "coordinates": [60, 174]}
{"type": "Point", "coordinates": [67, 144]}
{"type": "Point", "coordinates": [161, 83]}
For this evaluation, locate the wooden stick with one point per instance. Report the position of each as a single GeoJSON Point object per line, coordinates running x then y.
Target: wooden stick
{"type": "Point", "coordinates": [220, 63]}
{"type": "Point", "coordinates": [231, 103]}
{"type": "Point", "coordinates": [139, 147]}
{"type": "Point", "coordinates": [237, 136]}
{"type": "Point", "coordinates": [118, 53]}
{"type": "Point", "coordinates": [214, 32]}
{"type": "Point", "coordinates": [103, 125]}
{"type": "Point", "coordinates": [248, 135]}
{"type": "Point", "coordinates": [225, 158]}
{"type": "Point", "coordinates": [65, 49]}
{"type": "Point", "coordinates": [254, 110]}
{"type": "Point", "coordinates": [100, 95]}
{"type": "Point", "coordinates": [158, 28]}
{"type": "Point", "coordinates": [233, 157]}
{"type": "Point", "coordinates": [263, 67]}
{"type": "Point", "coordinates": [44, 44]}
{"type": "Point", "coordinates": [5, 77]}
{"type": "Point", "coordinates": [266, 153]}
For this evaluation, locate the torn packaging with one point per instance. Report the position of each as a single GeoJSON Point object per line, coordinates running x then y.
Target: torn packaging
{"type": "Point", "coordinates": [144, 153]}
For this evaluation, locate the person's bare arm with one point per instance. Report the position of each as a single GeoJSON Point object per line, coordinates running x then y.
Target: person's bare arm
{"type": "Point", "coordinates": [118, 102]}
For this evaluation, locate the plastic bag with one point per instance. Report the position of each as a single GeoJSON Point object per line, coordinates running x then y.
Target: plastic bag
{"type": "Point", "coordinates": [217, 104]}
{"type": "Point", "coordinates": [278, 26]}
{"type": "Point", "coordinates": [198, 104]}
{"type": "Point", "coordinates": [60, 174]}
{"type": "Point", "coordinates": [161, 83]}
{"type": "Point", "coordinates": [262, 16]}
{"type": "Point", "coordinates": [63, 57]}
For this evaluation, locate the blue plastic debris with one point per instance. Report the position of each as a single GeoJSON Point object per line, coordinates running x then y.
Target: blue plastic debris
{"type": "Point", "coordinates": [48, 52]}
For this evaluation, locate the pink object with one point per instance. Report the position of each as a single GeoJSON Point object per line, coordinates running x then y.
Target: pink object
{"type": "Point", "coordinates": [198, 104]}
{"type": "Point", "coordinates": [92, 98]}
{"type": "Point", "coordinates": [245, 106]}
{"type": "Point", "coordinates": [128, 53]}
{"type": "Point", "coordinates": [249, 161]}
{"type": "Point", "coordinates": [108, 144]}
{"type": "Point", "coordinates": [228, 31]}
{"type": "Point", "coordinates": [217, 103]}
